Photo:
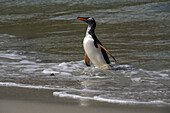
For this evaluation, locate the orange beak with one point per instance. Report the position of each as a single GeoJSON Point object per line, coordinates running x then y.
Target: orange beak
{"type": "Point", "coordinates": [81, 18]}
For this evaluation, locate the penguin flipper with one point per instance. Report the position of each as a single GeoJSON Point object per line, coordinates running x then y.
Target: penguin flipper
{"type": "Point", "coordinates": [107, 52]}
{"type": "Point", "coordinates": [87, 60]}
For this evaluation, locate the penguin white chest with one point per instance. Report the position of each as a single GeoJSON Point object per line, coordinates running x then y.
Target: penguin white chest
{"type": "Point", "coordinates": [95, 55]}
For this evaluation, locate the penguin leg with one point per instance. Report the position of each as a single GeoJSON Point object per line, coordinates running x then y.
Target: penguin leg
{"type": "Point", "coordinates": [87, 60]}
{"type": "Point", "coordinates": [107, 52]}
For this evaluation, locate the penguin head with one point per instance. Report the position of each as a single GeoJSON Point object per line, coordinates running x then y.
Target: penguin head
{"type": "Point", "coordinates": [89, 20]}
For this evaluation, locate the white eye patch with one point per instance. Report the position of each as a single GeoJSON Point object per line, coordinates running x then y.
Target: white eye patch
{"type": "Point", "coordinates": [90, 18]}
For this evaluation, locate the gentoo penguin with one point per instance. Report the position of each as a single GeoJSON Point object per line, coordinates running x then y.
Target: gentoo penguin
{"type": "Point", "coordinates": [94, 50]}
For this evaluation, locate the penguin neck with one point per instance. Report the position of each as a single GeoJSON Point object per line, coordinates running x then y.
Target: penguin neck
{"type": "Point", "coordinates": [90, 30]}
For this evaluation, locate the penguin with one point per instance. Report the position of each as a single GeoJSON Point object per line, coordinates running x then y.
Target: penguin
{"type": "Point", "coordinates": [94, 50]}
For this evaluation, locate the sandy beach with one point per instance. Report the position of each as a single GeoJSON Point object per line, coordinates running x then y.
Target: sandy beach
{"type": "Point", "coordinates": [23, 100]}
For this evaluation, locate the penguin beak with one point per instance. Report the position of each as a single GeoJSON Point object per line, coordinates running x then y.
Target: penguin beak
{"type": "Point", "coordinates": [82, 18]}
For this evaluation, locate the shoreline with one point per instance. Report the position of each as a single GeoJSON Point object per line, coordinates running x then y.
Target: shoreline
{"type": "Point", "coordinates": [27, 100]}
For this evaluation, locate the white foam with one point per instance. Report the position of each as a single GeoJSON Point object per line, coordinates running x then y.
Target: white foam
{"type": "Point", "coordinates": [136, 79]}
{"type": "Point", "coordinates": [63, 94]}
{"type": "Point", "coordinates": [99, 77]}
{"type": "Point", "coordinates": [65, 73]}
{"type": "Point", "coordinates": [101, 99]}
{"type": "Point", "coordinates": [11, 84]}
{"type": "Point", "coordinates": [75, 96]}
{"type": "Point", "coordinates": [164, 75]}
{"type": "Point", "coordinates": [7, 36]}
{"type": "Point", "coordinates": [87, 76]}
{"type": "Point", "coordinates": [27, 62]}
{"type": "Point", "coordinates": [11, 55]}
{"type": "Point", "coordinates": [49, 71]}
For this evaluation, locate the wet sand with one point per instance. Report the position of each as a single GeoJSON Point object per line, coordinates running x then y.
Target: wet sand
{"type": "Point", "coordinates": [23, 100]}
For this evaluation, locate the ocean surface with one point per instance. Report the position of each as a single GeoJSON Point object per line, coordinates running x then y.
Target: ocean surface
{"type": "Point", "coordinates": [40, 38]}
